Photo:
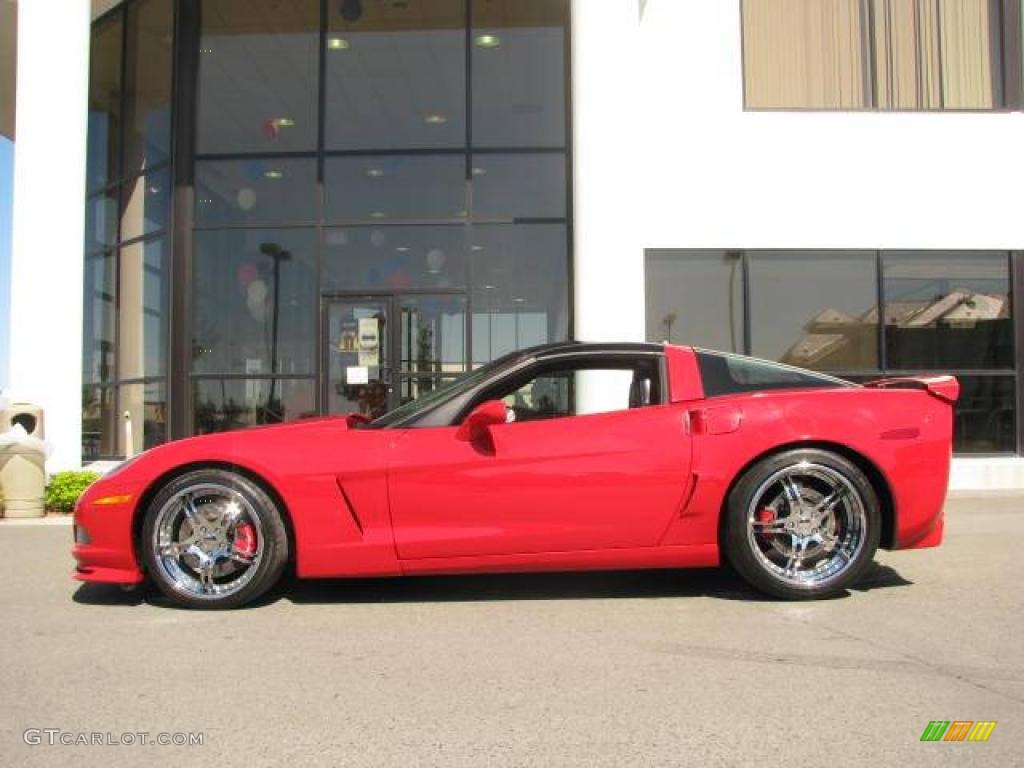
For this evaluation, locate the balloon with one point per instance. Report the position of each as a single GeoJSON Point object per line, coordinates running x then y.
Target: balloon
{"type": "Point", "coordinates": [257, 292]}
{"type": "Point", "coordinates": [246, 274]}
{"type": "Point", "coordinates": [246, 198]}
{"type": "Point", "coordinates": [435, 260]}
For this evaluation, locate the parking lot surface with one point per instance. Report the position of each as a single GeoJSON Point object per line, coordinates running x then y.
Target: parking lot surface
{"type": "Point", "coordinates": [659, 668]}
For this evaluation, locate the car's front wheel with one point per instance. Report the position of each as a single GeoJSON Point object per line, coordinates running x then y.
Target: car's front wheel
{"type": "Point", "coordinates": [802, 524]}
{"type": "Point", "coordinates": [213, 539]}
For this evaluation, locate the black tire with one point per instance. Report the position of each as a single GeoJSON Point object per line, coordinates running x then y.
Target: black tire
{"type": "Point", "coordinates": [741, 544]}
{"type": "Point", "coordinates": [272, 553]}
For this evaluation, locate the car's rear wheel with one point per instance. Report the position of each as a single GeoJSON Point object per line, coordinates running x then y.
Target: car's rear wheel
{"type": "Point", "coordinates": [213, 539]}
{"type": "Point", "coordinates": [802, 524]}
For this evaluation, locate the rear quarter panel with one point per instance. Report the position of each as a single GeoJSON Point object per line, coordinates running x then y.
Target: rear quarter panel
{"type": "Point", "coordinates": [905, 434]}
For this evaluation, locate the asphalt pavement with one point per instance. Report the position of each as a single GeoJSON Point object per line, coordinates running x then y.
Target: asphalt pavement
{"type": "Point", "coordinates": [659, 668]}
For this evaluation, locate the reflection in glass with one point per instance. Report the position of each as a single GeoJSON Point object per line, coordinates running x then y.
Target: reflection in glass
{"type": "Point", "coordinates": [254, 294]}
{"type": "Point", "coordinates": [142, 310]}
{"type": "Point", "coordinates": [695, 297]}
{"type": "Point", "coordinates": [815, 310]}
{"type": "Point", "coordinates": [146, 205]}
{"type": "Point", "coordinates": [518, 60]}
{"type": "Point", "coordinates": [101, 220]}
{"type": "Point", "coordinates": [99, 423]}
{"type": "Point", "coordinates": [222, 404]}
{"type": "Point", "coordinates": [104, 103]}
{"type": "Point", "coordinates": [258, 76]}
{"type": "Point", "coordinates": [98, 318]}
{"type": "Point", "coordinates": [948, 310]}
{"type": "Point", "coordinates": [985, 418]}
{"type": "Point", "coordinates": [394, 258]}
{"type": "Point", "coordinates": [396, 187]}
{"type": "Point", "coordinates": [396, 75]}
{"type": "Point", "coordinates": [255, 191]}
{"type": "Point", "coordinates": [433, 334]}
{"type": "Point", "coordinates": [520, 287]}
{"type": "Point", "coordinates": [519, 186]}
{"type": "Point", "coordinates": [148, 84]}
{"type": "Point", "coordinates": [144, 407]}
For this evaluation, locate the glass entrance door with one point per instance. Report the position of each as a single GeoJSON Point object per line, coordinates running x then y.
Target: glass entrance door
{"type": "Point", "coordinates": [384, 350]}
{"type": "Point", "coordinates": [358, 373]}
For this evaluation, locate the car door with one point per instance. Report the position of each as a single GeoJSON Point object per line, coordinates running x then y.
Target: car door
{"type": "Point", "coordinates": [560, 483]}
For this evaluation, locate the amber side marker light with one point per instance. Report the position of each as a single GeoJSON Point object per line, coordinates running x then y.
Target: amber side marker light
{"type": "Point", "coordinates": [110, 501]}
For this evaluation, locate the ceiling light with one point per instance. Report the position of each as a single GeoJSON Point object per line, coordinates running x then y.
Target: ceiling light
{"type": "Point", "coordinates": [488, 287]}
{"type": "Point", "coordinates": [435, 118]}
{"type": "Point", "coordinates": [487, 41]}
{"type": "Point", "coordinates": [273, 174]}
{"type": "Point", "coordinates": [401, 249]}
{"type": "Point", "coordinates": [283, 122]}
{"type": "Point", "coordinates": [374, 173]}
{"type": "Point", "coordinates": [338, 44]}
{"type": "Point", "coordinates": [519, 300]}
{"type": "Point", "coordinates": [479, 171]}
{"type": "Point", "coordinates": [377, 215]}
{"type": "Point", "coordinates": [477, 247]}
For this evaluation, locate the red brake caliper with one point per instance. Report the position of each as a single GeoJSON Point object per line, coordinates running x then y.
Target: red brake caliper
{"type": "Point", "coordinates": [765, 515]}
{"type": "Point", "coordinates": [245, 540]}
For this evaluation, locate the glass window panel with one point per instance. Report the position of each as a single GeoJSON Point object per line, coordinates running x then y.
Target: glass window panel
{"type": "Point", "coordinates": [948, 311]}
{"type": "Point", "coordinates": [394, 258]}
{"type": "Point", "coordinates": [519, 186]}
{"type": "Point", "coordinates": [415, 387]}
{"type": "Point", "coordinates": [98, 318]}
{"type": "Point", "coordinates": [222, 404]}
{"type": "Point", "coordinates": [815, 310]}
{"type": "Point", "coordinates": [99, 423]}
{"type": "Point", "coordinates": [104, 103]}
{"type": "Point", "coordinates": [695, 297]}
{"type": "Point", "coordinates": [144, 406]}
{"type": "Point", "coordinates": [433, 334]}
{"type": "Point", "coordinates": [258, 76]}
{"type": "Point", "coordinates": [101, 220]}
{"type": "Point", "coordinates": [255, 191]}
{"type": "Point", "coordinates": [804, 54]}
{"type": "Point", "coordinates": [520, 287]}
{"type": "Point", "coordinates": [396, 75]}
{"type": "Point", "coordinates": [254, 301]}
{"type": "Point", "coordinates": [985, 415]}
{"type": "Point", "coordinates": [396, 187]}
{"type": "Point", "coordinates": [518, 73]}
{"type": "Point", "coordinates": [146, 205]}
{"type": "Point", "coordinates": [150, 44]}
{"type": "Point", "coordinates": [143, 310]}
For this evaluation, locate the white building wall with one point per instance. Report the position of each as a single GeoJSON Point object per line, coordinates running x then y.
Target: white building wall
{"type": "Point", "coordinates": [666, 157]}
{"type": "Point", "coordinates": [48, 229]}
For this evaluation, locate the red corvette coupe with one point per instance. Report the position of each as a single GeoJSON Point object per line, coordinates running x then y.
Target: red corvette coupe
{"type": "Point", "coordinates": [564, 457]}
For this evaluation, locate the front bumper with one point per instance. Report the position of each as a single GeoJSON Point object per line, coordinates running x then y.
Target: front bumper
{"type": "Point", "coordinates": [104, 548]}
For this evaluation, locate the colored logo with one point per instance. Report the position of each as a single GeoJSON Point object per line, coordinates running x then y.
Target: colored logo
{"type": "Point", "coordinates": [958, 730]}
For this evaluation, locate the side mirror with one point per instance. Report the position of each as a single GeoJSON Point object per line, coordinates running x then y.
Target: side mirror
{"type": "Point", "coordinates": [482, 418]}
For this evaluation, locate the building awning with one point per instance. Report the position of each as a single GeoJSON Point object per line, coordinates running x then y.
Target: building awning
{"type": "Point", "coordinates": [8, 64]}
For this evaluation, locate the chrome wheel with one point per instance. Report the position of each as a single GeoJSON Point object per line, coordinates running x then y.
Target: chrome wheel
{"type": "Point", "coordinates": [207, 541]}
{"type": "Point", "coordinates": [806, 524]}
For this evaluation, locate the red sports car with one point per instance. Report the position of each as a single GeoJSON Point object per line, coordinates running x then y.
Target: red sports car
{"type": "Point", "coordinates": [563, 457]}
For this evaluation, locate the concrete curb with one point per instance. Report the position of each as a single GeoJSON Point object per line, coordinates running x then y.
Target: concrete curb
{"type": "Point", "coordinates": [24, 521]}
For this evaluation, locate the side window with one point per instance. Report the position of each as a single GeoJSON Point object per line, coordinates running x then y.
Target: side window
{"type": "Point", "coordinates": [732, 374]}
{"type": "Point", "coordinates": [577, 389]}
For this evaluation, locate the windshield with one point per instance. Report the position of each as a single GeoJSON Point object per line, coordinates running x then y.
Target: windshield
{"type": "Point", "coordinates": [424, 403]}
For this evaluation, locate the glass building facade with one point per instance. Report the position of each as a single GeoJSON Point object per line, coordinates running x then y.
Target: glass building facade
{"type": "Point", "coordinates": [860, 315]}
{"type": "Point", "coordinates": [316, 206]}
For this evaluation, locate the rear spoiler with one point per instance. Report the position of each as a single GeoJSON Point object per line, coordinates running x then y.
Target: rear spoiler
{"type": "Point", "coordinates": [946, 388]}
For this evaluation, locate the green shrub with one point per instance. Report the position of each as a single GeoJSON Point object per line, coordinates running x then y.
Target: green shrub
{"type": "Point", "coordinates": [65, 488]}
